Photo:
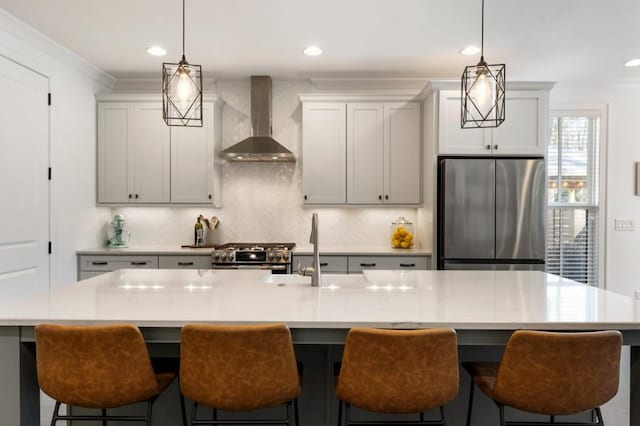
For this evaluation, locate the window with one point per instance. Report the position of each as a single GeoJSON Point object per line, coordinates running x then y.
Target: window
{"type": "Point", "coordinates": [573, 178]}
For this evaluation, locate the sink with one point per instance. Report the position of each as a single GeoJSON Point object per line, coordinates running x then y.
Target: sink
{"type": "Point", "coordinates": [328, 280]}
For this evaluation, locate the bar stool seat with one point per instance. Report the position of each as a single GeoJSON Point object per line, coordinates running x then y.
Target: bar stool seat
{"type": "Point", "coordinates": [239, 368]}
{"type": "Point", "coordinates": [97, 367]}
{"type": "Point", "coordinates": [398, 371]}
{"type": "Point", "coordinates": [551, 374]}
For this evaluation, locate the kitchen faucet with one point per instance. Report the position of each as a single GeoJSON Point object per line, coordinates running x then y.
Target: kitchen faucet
{"type": "Point", "coordinates": [313, 271]}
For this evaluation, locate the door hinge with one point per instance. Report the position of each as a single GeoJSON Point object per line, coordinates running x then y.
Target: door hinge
{"type": "Point", "coordinates": [49, 247]}
{"type": "Point", "coordinates": [49, 173]}
{"type": "Point", "coordinates": [48, 98]}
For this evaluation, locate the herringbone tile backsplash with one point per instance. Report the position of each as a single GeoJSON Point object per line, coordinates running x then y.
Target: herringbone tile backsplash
{"type": "Point", "coordinates": [263, 202]}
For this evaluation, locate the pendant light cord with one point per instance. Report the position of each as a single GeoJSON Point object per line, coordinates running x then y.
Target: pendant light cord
{"type": "Point", "coordinates": [481, 36]}
{"type": "Point", "coordinates": [184, 26]}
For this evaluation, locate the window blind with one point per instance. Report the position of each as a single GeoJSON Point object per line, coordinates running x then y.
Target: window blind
{"type": "Point", "coordinates": [573, 192]}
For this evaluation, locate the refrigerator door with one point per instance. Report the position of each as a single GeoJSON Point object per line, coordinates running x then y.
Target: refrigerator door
{"type": "Point", "coordinates": [520, 209]}
{"type": "Point", "coordinates": [468, 194]}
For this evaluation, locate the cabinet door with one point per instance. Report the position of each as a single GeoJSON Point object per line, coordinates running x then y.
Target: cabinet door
{"type": "Point", "coordinates": [402, 153]}
{"type": "Point", "coordinates": [454, 140]}
{"type": "Point", "coordinates": [115, 156]}
{"type": "Point", "coordinates": [192, 161]}
{"type": "Point", "coordinates": [523, 130]}
{"type": "Point", "coordinates": [151, 152]}
{"type": "Point", "coordinates": [324, 153]}
{"type": "Point", "coordinates": [365, 150]}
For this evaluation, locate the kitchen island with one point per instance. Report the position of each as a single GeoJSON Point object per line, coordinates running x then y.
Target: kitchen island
{"type": "Point", "coordinates": [484, 308]}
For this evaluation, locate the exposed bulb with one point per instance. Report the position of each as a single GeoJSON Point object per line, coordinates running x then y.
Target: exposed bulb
{"type": "Point", "coordinates": [483, 92]}
{"type": "Point", "coordinates": [185, 87]}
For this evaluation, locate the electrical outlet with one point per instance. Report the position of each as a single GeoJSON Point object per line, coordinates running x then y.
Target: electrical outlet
{"type": "Point", "coordinates": [624, 225]}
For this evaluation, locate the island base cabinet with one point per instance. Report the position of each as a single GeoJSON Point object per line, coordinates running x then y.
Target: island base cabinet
{"type": "Point", "coordinates": [357, 264]}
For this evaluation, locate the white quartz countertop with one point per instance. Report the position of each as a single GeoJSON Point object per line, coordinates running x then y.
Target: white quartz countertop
{"type": "Point", "coordinates": [390, 299]}
{"type": "Point", "coordinates": [159, 250]}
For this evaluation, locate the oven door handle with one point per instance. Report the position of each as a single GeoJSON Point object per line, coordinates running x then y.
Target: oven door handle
{"type": "Point", "coordinates": [263, 267]}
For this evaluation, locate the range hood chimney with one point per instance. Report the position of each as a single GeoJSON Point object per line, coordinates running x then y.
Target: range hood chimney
{"type": "Point", "coordinates": [260, 146]}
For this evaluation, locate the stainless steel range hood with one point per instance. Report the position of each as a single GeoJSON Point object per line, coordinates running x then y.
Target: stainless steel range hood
{"type": "Point", "coordinates": [260, 146]}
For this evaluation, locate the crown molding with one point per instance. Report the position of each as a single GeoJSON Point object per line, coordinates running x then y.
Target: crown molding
{"type": "Point", "coordinates": [147, 97]}
{"type": "Point", "coordinates": [371, 96]}
{"type": "Point", "coordinates": [435, 85]}
{"type": "Point", "coordinates": [153, 85]}
{"type": "Point", "coordinates": [20, 39]}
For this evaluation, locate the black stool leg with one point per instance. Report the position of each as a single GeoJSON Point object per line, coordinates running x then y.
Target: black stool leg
{"type": "Point", "coordinates": [599, 416]}
{"type": "Point", "coordinates": [339, 413]}
{"type": "Point", "coordinates": [56, 410]}
{"type": "Point", "coordinates": [194, 411]}
{"type": "Point", "coordinates": [149, 412]}
{"type": "Point", "coordinates": [183, 411]}
{"type": "Point", "coordinates": [296, 412]}
{"type": "Point", "coordinates": [501, 408]}
{"type": "Point", "coordinates": [470, 403]}
{"type": "Point", "coordinates": [442, 415]}
{"type": "Point", "coordinates": [104, 414]}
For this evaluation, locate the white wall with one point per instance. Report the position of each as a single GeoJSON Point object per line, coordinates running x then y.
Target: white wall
{"type": "Point", "coordinates": [263, 202]}
{"type": "Point", "coordinates": [75, 221]}
{"type": "Point", "coordinates": [622, 150]}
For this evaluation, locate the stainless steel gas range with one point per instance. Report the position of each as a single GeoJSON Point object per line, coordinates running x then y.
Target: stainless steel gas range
{"type": "Point", "coordinates": [275, 257]}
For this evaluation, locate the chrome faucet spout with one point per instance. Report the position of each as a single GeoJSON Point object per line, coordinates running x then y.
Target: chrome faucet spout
{"type": "Point", "coordinates": [314, 270]}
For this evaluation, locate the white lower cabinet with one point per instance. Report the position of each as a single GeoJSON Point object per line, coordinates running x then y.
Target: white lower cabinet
{"type": "Point", "coordinates": [141, 160]}
{"type": "Point", "coordinates": [356, 264]}
{"type": "Point", "coordinates": [91, 266]}
{"type": "Point", "coordinates": [184, 262]}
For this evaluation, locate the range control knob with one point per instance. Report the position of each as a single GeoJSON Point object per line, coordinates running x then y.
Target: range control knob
{"type": "Point", "coordinates": [278, 256]}
{"type": "Point", "coordinates": [216, 256]}
{"type": "Point", "coordinates": [286, 255]}
{"type": "Point", "coordinates": [271, 256]}
{"type": "Point", "coordinates": [224, 256]}
{"type": "Point", "coordinates": [231, 255]}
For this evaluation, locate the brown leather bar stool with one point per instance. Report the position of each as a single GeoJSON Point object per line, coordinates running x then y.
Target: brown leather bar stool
{"type": "Point", "coordinates": [551, 374]}
{"type": "Point", "coordinates": [97, 367]}
{"type": "Point", "coordinates": [397, 371]}
{"type": "Point", "coordinates": [239, 368]}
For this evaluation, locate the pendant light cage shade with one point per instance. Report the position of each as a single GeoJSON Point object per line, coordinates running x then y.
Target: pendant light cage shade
{"type": "Point", "coordinates": [483, 96]}
{"type": "Point", "coordinates": [182, 94]}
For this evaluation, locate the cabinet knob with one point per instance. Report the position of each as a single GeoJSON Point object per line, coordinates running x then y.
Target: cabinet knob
{"type": "Point", "coordinates": [136, 196]}
{"type": "Point", "coordinates": [379, 197]}
{"type": "Point", "coordinates": [305, 197]}
{"type": "Point", "coordinates": [386, 197]}
{"type": "Point", "coordinates": [210, 196]}
{"type": "Point", "coordinates": [495, 146]}
{"type": "Point", "coordinates": [488, 146]}
{"type": "Point", "coordinates": [130, 196]}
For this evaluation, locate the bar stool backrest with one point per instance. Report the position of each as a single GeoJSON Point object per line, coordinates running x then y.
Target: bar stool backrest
{"type": "Point", "coordinates": [559, 373]}
{"type": "Point", "coordinates": [94, 366]}
{"type": "Point", "coordinates": [238, 368]}
{"type": "Point", "coordinates": [399, 371]}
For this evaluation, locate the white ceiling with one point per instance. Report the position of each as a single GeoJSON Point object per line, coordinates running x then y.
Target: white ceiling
{"type": "Point", "coordinates": [537, 39]}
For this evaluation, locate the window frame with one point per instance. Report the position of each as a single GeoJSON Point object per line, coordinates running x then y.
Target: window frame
{"type": "Point", "coordinates": [600, 110]}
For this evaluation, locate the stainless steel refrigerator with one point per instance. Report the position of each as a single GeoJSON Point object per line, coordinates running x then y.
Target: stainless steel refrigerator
{"type": "Point", "coordinates": [491, 213]}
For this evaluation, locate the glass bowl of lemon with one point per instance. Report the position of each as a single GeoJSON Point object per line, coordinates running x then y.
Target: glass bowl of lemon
{"type": "Point", "coordinates": [402, 235]}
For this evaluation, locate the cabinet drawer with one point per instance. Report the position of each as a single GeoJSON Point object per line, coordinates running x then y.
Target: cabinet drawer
{"type": "Point", "coordinates": [184, 262]}
{"type": "Point", "coordinates": [329, 264]}
{"type": "Point", "coordinates": [358, 263]}
{"type": "Point", "coordinates": [111, 263]}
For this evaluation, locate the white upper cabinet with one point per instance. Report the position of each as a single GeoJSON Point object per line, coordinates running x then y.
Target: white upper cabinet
{"type": "Point", "coordinates": [115, 153]}
{"type": "Point", "coordinates": [361, 153]}
{"type": "Point", "coordinates": [151, 155]}
{"type": "Point", "coordinates": [522, 133]}
{"type": "Point", "coordinates": [365, 153]}
{"type": "Point", "coordinates": [141, 160]}
{"type": "Point", "coordinates": [324, 135]}
{"type": "Point", "coordinates": [192, 161]}
{"type": "Point", "coordinates": [402, 152]}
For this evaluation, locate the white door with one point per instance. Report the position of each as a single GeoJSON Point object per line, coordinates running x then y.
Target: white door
{"type": "Point", "coordinates": [453, 139]}
{"type": "Point", "coordinates": [192, 161]}
{"type": "Point", "coordinates": [24, 185]}
{"type": "Point", "coordinates": [115, 152]}
{"type": "Point", "coordinates": [324, 153]}
{"type": "Point", "coordinates": [365, 149]}
{"type": "Point", "coordinates": [520, 133]}
{"type": "Point", "coordinates": [151, 155]}
{"type": "Point", "coordinates": [402, 153]}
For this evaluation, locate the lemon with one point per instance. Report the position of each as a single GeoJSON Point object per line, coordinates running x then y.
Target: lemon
{"type": "Point", "coordinates": [404, 244]}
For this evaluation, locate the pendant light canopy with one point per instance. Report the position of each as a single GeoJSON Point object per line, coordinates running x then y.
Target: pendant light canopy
{"type": "Point", "coordinates": [483, 90]}
{"type": "Point", "coordinates": [182, 91]}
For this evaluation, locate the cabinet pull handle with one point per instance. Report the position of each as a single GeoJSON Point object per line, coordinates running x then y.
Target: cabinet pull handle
{"type": "Point", "coordinates": [185, 263]}
{"type": "Point", "coordinates": [386, 197]}
{"type": "Point", "coordinates": [210, 196]}
{"type": "Point", "coordinates": [136, 196]}
{"type": "Point", "coordinates": [407, 265]}
{"type": "Point", "coordinates": [99, 263]}
{"type": "Point", "coordinates": [370, 265]}
{"type": "Point", "coordinates": [130, 196]}
{"type": "Point", "coordinates": [495, 146]}
{"type": "Point", "coordinates": [324, 264]}
{"type": "Point", "coordinates": [138, 263]}
{"type": "Point", "coordinates": [488, 146]}
{"type": "Point", "coordinates": [305, 197]}
{"type": "Point", "coordinates": [379, 197]}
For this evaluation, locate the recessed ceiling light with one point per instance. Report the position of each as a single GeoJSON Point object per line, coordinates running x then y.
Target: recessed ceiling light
{"type": "Point", "coordinates": [156, 51]}
{"type": "Point", "coordinates": [632, 63]}
{"type": "Point", "coordinates": [312, 51]}
{"type": "Point", "coordinates": [470, 50]}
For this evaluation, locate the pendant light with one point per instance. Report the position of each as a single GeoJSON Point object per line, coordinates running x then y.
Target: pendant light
{"type": "Point", "coordinates": [483, 88]}
{"type": "Point", "coordinates": [182, 91]}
